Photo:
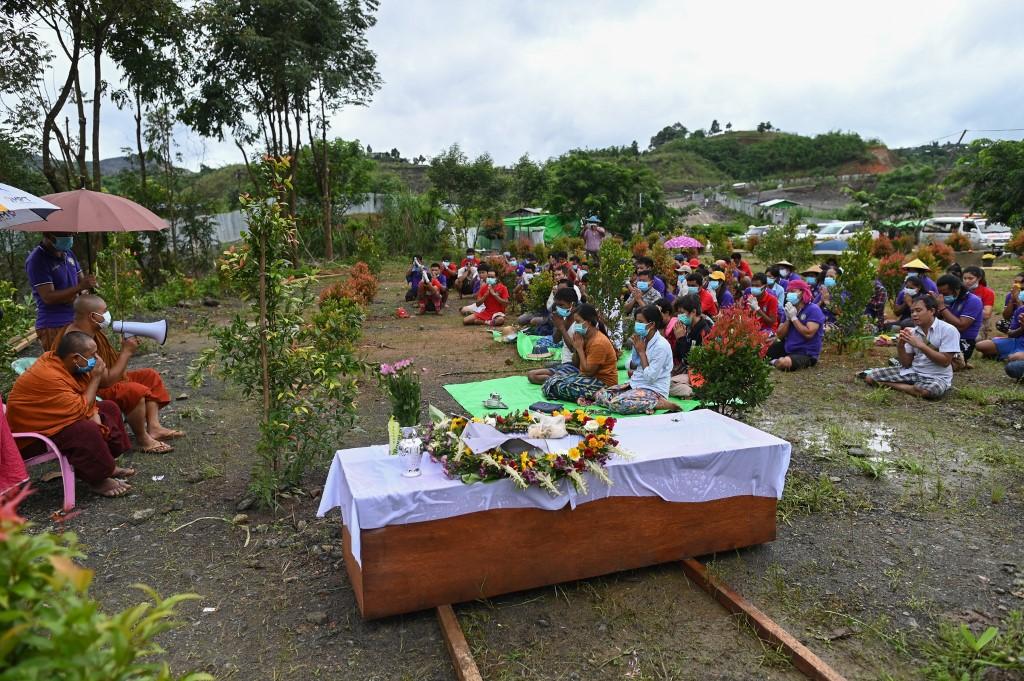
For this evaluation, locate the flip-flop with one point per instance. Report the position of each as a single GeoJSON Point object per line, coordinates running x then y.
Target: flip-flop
{"type": "Point", "coordinates": [159, 448]}
{"type": "Point", "coordinates": [172, 435]}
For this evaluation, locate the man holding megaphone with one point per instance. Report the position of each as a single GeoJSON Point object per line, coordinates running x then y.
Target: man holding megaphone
{"type": "Point", "coordinates": [139, 393]}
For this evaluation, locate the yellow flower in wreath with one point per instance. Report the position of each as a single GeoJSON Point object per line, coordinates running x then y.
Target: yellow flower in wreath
{"type": "Point", "coordinates": [550, 457]}
{"type": "Point", "coordinates": [574, 454]}
{"type": "Point", "coordinates": [600, 420]}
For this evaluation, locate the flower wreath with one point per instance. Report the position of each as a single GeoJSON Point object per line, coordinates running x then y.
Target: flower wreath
{"type": "Point", "coordinates": [545, 470]}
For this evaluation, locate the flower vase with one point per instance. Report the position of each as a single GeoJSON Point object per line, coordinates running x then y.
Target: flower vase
{"type": "Point", "coordinates": [410, 448]}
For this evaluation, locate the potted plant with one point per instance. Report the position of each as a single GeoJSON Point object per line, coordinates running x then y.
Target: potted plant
{"type": "Point", "coordinates": [401, 382]}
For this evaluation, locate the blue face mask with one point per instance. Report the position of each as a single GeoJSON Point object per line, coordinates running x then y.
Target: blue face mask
{"type": "Point", "coordinates": [792, 297]}
{"type": "Point", "coordinates": [771, 281]}
{"type": "Point", "coordinates": [562, 312]}
{"type": "Point", "coordinates": [811, 280]}
{"type": "Point", "coordinates": [829, 282]}
{"type": "Point", "coordinates": [640, 328]}
{"type": "Point", "coordinates": [643, 285]}
{"type": "Point", "coordinates": [90, 364]}
{"type": "Point", "coordinates": [693, 289]}
{"type": "Point", "coordinates": [1020, 296]}
{"type": "Point", "coordinates": [579, 329]}
{"type": "Point", "coordinates": [756, 291]}
{"type": "Point", "coordinates": [714, 284]}
{"type": "Point", "coordinates": [513, 263]}
{"type": "Point", "coordinates": [949, 299]}
{"type": "Point", "coordinates": [63, 243]}
{"type": "Point", "coordinates": [491, 281]}
{"type": "Point", "coordinates": [685, 319]}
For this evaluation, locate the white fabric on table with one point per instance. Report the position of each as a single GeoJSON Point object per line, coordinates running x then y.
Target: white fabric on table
{"type": "Point", "coordinates": [692, 457]}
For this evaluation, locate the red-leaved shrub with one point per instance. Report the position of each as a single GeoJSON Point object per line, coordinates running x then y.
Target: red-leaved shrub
{"type": "Point", "coordinates": [361, 286]}
{"type": "Point", "coordinates": [958, 241]}
{"type": "Point", "coordinates": [882, 246]}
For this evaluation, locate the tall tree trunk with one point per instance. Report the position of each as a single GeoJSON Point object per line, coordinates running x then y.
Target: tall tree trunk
{"type": "Point", "coordinates": [138, 145]}
{"type": "Point", "coordinates": [83, 173]}
{"type": "Point", "coordinates": [325, 181]}
{"type": "Point", "coordinates": [97, 96]}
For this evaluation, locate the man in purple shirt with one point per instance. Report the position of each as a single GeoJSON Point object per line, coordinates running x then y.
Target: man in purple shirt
{"type": "Point", "coordinates": [800, 335]}
{"type": "Point", "coordinates": [56, 279]}
{"type": "Point", "coordinates": [962, 309]}
{"type": "Point", "coordinates": [593, 235]}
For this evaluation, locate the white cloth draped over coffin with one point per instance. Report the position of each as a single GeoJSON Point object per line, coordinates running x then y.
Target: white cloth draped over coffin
{"type": "Point", "coordinates": [692, 457]}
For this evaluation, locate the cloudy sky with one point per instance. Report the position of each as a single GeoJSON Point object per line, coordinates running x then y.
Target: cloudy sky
{"type": "Point", "coordinates": [514, 76]}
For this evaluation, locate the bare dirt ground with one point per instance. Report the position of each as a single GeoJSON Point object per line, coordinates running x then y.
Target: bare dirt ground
{"type": "Point", "coordinates": [897, 515]}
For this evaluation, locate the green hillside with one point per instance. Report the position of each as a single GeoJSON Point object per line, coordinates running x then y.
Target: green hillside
{"type": "Point", "coordinates": [751, 155]}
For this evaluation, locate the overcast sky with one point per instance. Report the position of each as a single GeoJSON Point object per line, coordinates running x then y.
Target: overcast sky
{"type": "Point", "coordinates": [515, 76]}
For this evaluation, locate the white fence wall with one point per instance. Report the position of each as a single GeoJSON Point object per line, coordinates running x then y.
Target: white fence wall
{"type": "Point", "coordinates": [229, 227]}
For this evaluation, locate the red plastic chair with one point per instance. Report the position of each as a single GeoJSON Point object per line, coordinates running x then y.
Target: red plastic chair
{"type": "Point", "coordinates": [67, 473]}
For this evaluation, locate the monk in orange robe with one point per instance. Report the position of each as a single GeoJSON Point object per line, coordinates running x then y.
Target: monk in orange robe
{"type": "Point", "coordinates": [140, 393]}
{"type": "Point", "coordinates": [56, 397]}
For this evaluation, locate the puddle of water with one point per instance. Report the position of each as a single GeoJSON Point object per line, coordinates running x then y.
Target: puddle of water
{"type": "Point", "coordinates": [880, 441]}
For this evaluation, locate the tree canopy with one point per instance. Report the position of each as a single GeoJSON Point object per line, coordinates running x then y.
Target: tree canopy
{"type": "Point", "coordinates": [993, 174]}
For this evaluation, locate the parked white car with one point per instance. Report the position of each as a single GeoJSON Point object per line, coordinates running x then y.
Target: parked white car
{"type": "Point", "coordinates": [839, 231]}
{"type": "Point", "coordinates": [983, 235]}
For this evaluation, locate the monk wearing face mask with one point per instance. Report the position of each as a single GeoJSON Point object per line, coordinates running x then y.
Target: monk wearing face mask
{"type": "Point", "coordinates": [140, 393]}
{"type": "Point", "coordinates": [56, 397]}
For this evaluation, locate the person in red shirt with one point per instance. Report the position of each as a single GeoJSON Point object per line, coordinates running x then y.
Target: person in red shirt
{"type": "Point", "coordinates": [974, 281]}
{"type": "Point", "coordinates": [741, 264]}
{"type": "Point", "coordinates": [763, 304]}
{"type": "Point", "coordinates": [695, 284]}
{"type": "Point", "coordinates": [491, 301]}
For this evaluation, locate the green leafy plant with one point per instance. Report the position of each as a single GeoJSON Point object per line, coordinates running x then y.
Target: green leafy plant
{"type": "Point", "coordinates": [51, 629]}
{"type": "Point", "coordinates": [785, 243]}
{"type": "Point", "coordinates": [538, 291]}
{"type": "Point", "coordinates": [299, 370]}
{"type": "Point", "coordinates": [16, 320]}
{"type": "Point", "coordinates": [851, 296]}
{"type": "Point", "coordinates": [735, 376]}
{"type": "Point", "coordinates": [958, 654]}
{"type": "Point", "coordinates": [118, 270]}
{"type": "Point", "coordinates": [605, 284]}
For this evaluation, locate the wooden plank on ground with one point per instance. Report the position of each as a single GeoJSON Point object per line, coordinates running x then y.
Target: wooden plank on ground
{"type": "Point", "coordinates": [458, 649]}
{"type": "Point", "coordinates": [812, 666]}
{"type": "Point", "coordinates": [23, 342]}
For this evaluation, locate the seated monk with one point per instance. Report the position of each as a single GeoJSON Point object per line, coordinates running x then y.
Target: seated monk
{"type": "Point", "coordinates": [139, 393]}
{"type": "Point", "coordinates": [56, 397]}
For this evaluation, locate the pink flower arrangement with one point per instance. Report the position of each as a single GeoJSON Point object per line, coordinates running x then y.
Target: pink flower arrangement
{"type": "Point", "coordinates": [403, 387]}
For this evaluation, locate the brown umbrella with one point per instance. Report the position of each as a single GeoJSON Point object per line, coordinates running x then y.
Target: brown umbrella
{"type": "Point", "coordinates": [88, 211]}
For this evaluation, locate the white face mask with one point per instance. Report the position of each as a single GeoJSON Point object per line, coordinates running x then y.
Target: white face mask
{"type": "Point", "coordinates": [106, 319]}
{"type": "Point", "coordinates": [527, 276]}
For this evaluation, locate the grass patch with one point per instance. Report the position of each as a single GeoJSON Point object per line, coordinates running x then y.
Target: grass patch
{"type": "Point", "coordinates": [806, 495]}
{"type": "Point", "coordinates": [958, 653]}
{"type": "Point", "coordinates": [987, 395]}
{"type": "Point", "coordinates": [1000, 456]}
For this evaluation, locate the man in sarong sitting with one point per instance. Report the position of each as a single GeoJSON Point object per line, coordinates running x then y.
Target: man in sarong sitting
{"type": "Point", "coordinates": [56, 397]}
{"type": "Point", "coordinates": [139, 393]}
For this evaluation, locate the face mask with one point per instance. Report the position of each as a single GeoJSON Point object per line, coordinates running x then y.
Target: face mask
{"type": "Point", "coordinates": [90, 364]}
{"type": "Point", "coordinates": [446, 262]}
{"type": "Point", "coordinates": [575, 268]}
{"type": "Point", "coordinates": [685, 319]}
{"type": "Point", "coordinates": [682, 282]}
{"type": "Point", "coordinates": [643, 285]}
{"type": "Point", "coordinates": [579, 329]}
{"type": "Point", "coordinates": [830, 282]}
{"type": "Point", "coordinates": [513, 263]}
{"type": "Point", "coordinates": [771, 281]}
{"type": "Point", "coordinates": [756, 291]}
{"type": "Point", "coordinates": [811, 280]}
{"type": "Point", "coordinates": [527, 276]}
{"type": "Point", "coordinates": [908, 276]}
{"type": "Point", "coordinates": [971, 287]}
{"type": "Point", "coordinates": [562, 312]}
{"type": "Point", "coordinates": [640, 328]}
{"type": "Point", "coordinates": [104, 319]}
{"type": "Point", "coordinates": [693, 289]}
{"type": "Point", "coordinates": [1020, 296]}
{"type": "Point", "coordinates": [714, 284]}
{"type": "Point", "coordinates": [63, 243]}
{"type": "Point", "coordinates": [583, 273]}
{"type": "Point", "coordinates": [949, 299]}
{"type": "Point", "coordinates": [910, 292]}
{"type": "Point", "coordinates": [491, 281]}
{"type": "Point", "coordinates": [792, 297]}
{"type": "Point", "coordinates": [784, 272]}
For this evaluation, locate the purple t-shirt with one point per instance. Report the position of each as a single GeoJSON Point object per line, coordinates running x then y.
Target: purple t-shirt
{"type": "Point", "coordinates": [929, 285]}
{"type": "Point", "coordinates": [60, 270]}
{"type": "Point", "coordinates": [971, 306]}
{"type": "Point", "coordinates": [1017, 319]}
{"type": "Point", "coordinates": [592, 238]}
{"type": "Point", "coordinates": [796, 344]}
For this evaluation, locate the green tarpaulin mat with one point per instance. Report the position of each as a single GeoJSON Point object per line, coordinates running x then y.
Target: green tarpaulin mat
{"type": "Point", "coordinates": [552, 226]}
{"type": "Point", "coordinates": [518, 393]}
{"type": "Point", "coordinates": [524, 344]}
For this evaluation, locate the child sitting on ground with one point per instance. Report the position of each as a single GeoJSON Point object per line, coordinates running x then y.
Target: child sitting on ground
{"type": "Point", "coordinates": [491, 301]}
{"type": "Point", "coordinates": [433, 291]}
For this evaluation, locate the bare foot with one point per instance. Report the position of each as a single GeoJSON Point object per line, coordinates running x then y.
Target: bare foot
{"type": "Point", "coordinates": [122, 472]}
{"type": "Point", "coordinates": [161, 433]}
{"type": "Point", "coordinates": [111, 488]}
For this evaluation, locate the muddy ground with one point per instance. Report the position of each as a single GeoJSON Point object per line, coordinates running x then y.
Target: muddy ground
{"type": "Point", "coordinates": [897, 515]}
